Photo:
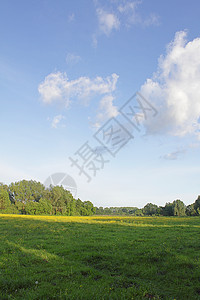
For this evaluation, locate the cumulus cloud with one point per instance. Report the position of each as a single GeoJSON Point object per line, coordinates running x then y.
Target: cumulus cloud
{"type": "Point", "coordinates": [72, 58]}
{"type": "Point", "coordinates": [106, 109]}
{"type": "Point", "coordinates": [107, 21]}
{"type": "Point", "coordinates": [56, 120]}
{"type": "Point", "coordinates": [58, 88]}
{"type": "Point", "coordinates": [55, 88]}
{"type": "Point", "coordinates": [174, 89]}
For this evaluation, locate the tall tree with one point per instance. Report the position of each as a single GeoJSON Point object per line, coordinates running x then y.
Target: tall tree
{"type": "Point", "coordinates": [168, 209]}
{"type": "Point", "coordinates": [4, 199]}
{"type": "Point", "coordinates": [150, 209]}
{"type": "Point", "coordinates": [24, 191]}
{"type": "Point", "coordinates": [57, 199]}
{"type": "Point", "coordinates": [197, 205]}
{"type": "Point", "coordinates": [179, 208]}
{"type": "Point", "coordinates": [190, 210]}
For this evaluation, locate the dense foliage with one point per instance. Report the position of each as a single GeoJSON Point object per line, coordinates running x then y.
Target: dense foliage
{"type": "Point", "coordinates": [176, 208]}
{"type": "Point", "coordinates": [31, 197]}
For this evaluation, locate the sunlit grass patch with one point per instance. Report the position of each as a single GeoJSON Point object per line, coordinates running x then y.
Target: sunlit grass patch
{"type": "Point", "coordinates": [120, 220]}
{"type": "Point", "coordinates": [47, 257]}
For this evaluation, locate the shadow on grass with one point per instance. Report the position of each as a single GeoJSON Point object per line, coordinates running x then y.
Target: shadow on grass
{"type": "Point", "coordinates": [109, 259]}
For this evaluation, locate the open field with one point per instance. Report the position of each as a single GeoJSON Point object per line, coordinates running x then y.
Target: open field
{"type": "Point", "coordinates": [99, 257]}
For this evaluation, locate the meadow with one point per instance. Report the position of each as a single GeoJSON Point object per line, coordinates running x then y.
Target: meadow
{"type": "Point", "coordinates": [96, 257]}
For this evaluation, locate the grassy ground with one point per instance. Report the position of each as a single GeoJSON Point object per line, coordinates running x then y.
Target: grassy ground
{"type": "Point", "coordinates": [99, 258]}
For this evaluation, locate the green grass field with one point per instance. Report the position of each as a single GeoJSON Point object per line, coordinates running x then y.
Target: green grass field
{"type": "Point", "coordinates": [99, 257]}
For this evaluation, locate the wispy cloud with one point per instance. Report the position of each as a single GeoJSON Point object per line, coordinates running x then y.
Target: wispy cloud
{"type": "Point", "coordinates": [72, 58]}
{"type": "Point", "coordinates": [119, 14]}
{"type": "Point", "coordinates": [94, 40]}
{"type": "Point", "coordinates": [129, 11]}
{"type": "Point", "coordinates": [71, 17]}
{"type": "Point", "coordinates": [174, 89]}
{"type": "Point", "coordinates": [107, 21]}
{"type": "Point", "coordinates": [56, 120]}
{"type": "Point", "coordinates": [153, 19]}
{"type": "Point", "coordinates": [173, 155]}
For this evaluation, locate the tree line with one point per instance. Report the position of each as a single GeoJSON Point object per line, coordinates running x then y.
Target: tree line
{"type": "Point", "coordinates": [32, 198]}
{"type": "Point", "coordinates": [175, 208]}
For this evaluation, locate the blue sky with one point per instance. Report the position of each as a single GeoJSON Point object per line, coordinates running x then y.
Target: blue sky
{"type": "Point", "coordinates": [66, 67]}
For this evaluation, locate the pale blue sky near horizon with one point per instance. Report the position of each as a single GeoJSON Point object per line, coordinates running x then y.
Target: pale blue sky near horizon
{"type": "Point", "coordinates": [66, 67]}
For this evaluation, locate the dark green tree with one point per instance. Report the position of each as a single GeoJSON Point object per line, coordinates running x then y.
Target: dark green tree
{"type": "Point", "coordinates": [168, 209]}
{"type": "Point", "coordinates": [150, 209]}
{"type": "Point", "coordinates": [139, 212]}
{"type": "Point", "coordinates": [4, 199]}
{"type": "Point", "coordinates": [99, 210]}
{"type": "Point", "coordinates": [25, 191]}
{"type": "Point", "coordinates": [190, 210]}
{"type": "Point", "coordinates": [32, 208]}
{"type": "Point", "coordinates": [159, 211]}
{"type": "Point", "coordinates": [197, 205]}
{"type": "Point", "coordinates": [57, 199]}
{"type": "Point", "coordinates": [43, 207]}
{"type": "Point", "coordinates": [179, 208]}
{"type": "Point", "coordinates": [88, 208]}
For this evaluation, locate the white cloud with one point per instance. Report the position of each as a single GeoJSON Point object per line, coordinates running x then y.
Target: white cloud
{"type": "Point", "coordinates": [107, 21]}
{"type": "Point", "coordinates": [128, 6]}
{"type": "Point", "coordinates": [106, 109]}
{"type": "Point", "coordinates": [71, 18]}
{"type": "Point", "coordinates": [58, 88]}
{"type": "Point", "coordinates": [56, 120]}
{"type": "Point", "coordinates": [120, 13]}
{"type": "Point", "coordinates": [153, 19]}
{"type": "Point", "coordinates": [54, 89]}
{"type": "Point", "coordinates": [129, 9]}
{"type": "Point", "coordinates": [173, 155]}
{"type": "Point", "coordinates": [132, 17]}
{"type": "Point", "coordinates": [174, 89]}
{"type": "Point", "coordinates": [94, 41]}
{"type": "Point", "coordinates": [72, 58]}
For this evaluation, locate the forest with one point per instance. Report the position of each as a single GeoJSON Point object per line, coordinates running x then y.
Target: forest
{"type": "Point", "coordinates": [32, 198]}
